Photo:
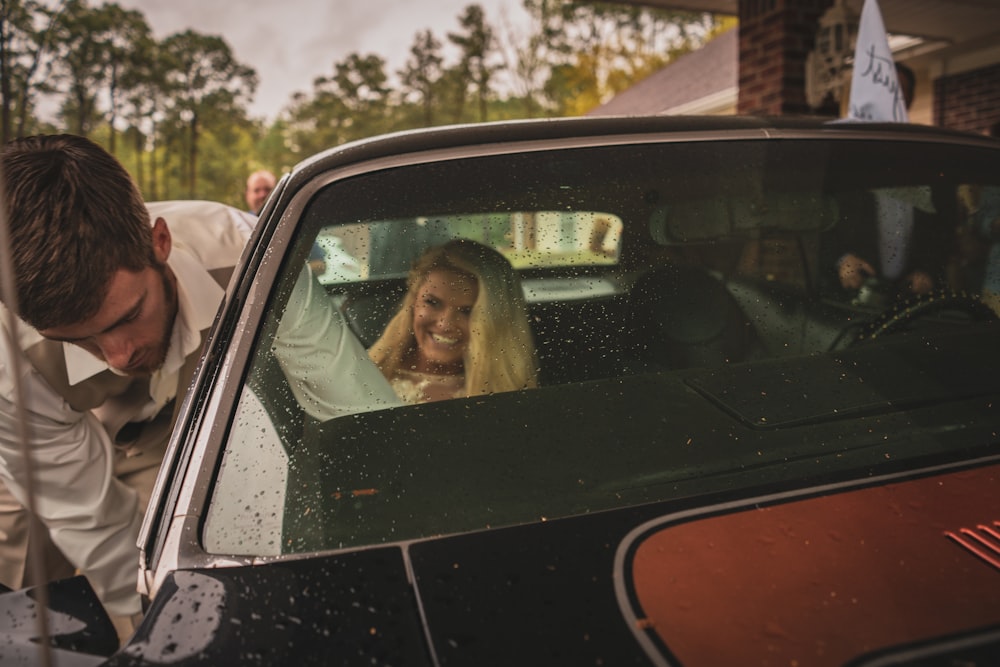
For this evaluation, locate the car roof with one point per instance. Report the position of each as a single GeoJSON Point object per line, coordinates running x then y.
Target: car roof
{"type": "Point", "coordinates": [456, 136]}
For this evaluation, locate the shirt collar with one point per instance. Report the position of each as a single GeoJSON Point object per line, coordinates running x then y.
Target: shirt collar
{"type": "Point", "coordinates": [198, 298]}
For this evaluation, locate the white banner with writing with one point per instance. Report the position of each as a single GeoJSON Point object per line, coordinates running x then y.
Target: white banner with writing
{"type": "Point", "coordinates": [875, 91]}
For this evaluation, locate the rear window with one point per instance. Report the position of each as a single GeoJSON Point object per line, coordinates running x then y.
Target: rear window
{"type": "Point", "coordinates": [687, 317]}
{"type": "Point", "coordinates": [383, 249]}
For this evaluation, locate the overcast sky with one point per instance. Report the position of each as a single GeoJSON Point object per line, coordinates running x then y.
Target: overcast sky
{"type": "Point", "coordinates": [291, 42]}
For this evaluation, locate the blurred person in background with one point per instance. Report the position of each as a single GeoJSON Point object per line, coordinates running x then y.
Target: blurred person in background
{"type": "Point", "coordinates": [259, 186]}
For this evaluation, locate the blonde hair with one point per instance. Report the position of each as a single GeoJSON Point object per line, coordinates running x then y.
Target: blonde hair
{"type": "Point", "coordinates": [501, 352]}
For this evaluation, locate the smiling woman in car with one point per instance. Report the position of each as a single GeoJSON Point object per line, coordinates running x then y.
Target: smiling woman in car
{"type": "Point", "coordinates": [462, 329]}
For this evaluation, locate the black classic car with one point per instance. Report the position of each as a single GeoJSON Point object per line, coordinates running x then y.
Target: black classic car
{"type": "Point", "coordinates": [742, 449]}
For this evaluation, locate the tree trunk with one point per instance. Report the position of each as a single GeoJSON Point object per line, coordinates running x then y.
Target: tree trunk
{"type": "Point", "coordinates": [193, 174]}
{"type": "Point", "coordinates": [5, 122]}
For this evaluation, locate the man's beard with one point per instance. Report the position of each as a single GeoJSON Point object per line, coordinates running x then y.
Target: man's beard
{"type": "Point", "coordinates": [170, 300]}
{"type": "Point", "coordinates": [170, 297]}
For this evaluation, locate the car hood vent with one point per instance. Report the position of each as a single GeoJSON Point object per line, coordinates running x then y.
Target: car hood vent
{"type": "Point", "coordinates": [982, 541]}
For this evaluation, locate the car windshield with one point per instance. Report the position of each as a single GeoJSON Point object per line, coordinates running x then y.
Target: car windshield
{"type": "Point", "coordinates": [704, 314]}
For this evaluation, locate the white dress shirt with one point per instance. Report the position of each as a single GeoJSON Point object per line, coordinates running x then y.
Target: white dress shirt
{"type": "Point", "coordinates": [92, 517]}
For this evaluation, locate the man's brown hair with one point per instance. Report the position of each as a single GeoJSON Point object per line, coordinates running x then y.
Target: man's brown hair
{"type": "Point", "coordinates": [76, 218]}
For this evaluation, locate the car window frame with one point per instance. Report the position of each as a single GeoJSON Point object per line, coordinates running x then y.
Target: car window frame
{"type": "Point", "coordinates": [170, 538]}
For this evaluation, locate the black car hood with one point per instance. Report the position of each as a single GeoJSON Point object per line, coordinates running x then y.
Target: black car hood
{"type": "Point", "coordinates": [350, 608]}
{"type": "Point", "coordinates": [80, 634]}
{"type": "Point", "coordinates": [788, 573]}
{"type": "Point", "coordinates": [536, 594]}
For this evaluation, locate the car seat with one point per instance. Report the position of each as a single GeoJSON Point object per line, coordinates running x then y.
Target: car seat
{"type": "Point", "coordinates": [370, 306]}
{"type": "Point", "coordinates": [683, 317]}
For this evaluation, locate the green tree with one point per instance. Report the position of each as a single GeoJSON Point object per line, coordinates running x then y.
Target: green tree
{"type": "Point", "coordinates": [128, 43]}
{"type": "Point", "coordinates": [271, 150]}
{"type": "Point", "coordinates": [571, 89]}
{"type": "Point", "coordinates": [27, 51]}
{"type": "Point", "coordinates": [361, 83]}
{"type": "Point", "coordinates": [143, 84]}
{"type": "Point", "coordinates": [202, 76]}
{"type": "Point", "coordinates": [228, 150]}
{"type": "Point", "coordinates": [81, 67]}
{"type": "Point", "coordinates": [476, 66]}
{"type": "Point", "coordinates": [352, 104]}
{"type": "Point", "coordinates": [315, 121]}
{"type": "Point", "coordinates": [596, 50]}
{"type": "Point", "coordinates": [422, 73]}
{"type": "Point", "coordinates": [526, 56]}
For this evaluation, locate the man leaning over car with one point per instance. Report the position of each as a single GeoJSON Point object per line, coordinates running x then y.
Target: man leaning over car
{"type": "Point", "coordinates": [114, 299]}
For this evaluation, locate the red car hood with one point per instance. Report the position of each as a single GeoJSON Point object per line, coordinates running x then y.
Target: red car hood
{"type": "Point", "coordinates": [821, 580]}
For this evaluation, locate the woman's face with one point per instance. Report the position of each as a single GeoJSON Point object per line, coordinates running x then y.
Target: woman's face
{"type": "Point", "coordinates": [441, 321]}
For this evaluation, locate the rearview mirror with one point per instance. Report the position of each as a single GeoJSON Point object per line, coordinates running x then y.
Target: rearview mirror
{"type": "Point", "coordinates": [742, 217]}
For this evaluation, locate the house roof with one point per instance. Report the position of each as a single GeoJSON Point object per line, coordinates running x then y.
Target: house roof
{"type": "Point", "coordinates": [697, 82]}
